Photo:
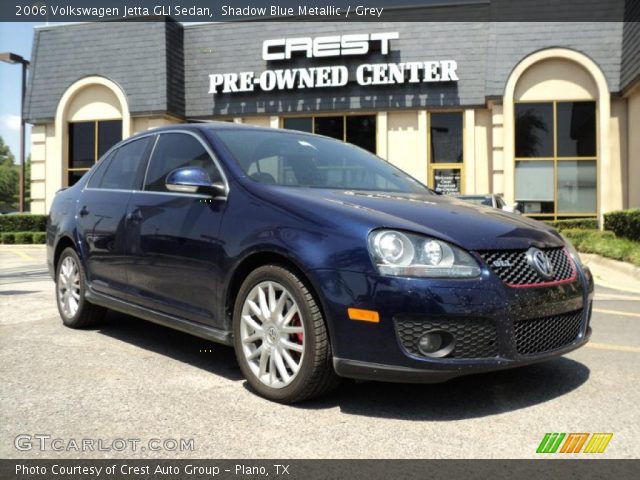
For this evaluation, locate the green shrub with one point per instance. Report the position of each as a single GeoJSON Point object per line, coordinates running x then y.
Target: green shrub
{"type": "Point", "coordinates": [624, 223]}
{"type": "Point", "coordinates": [39, 237]}
{"type": "Point", "coordinates": [576, 235]}
{"type": "Point", "coordinates": [23, 223]}
{"type": "Point", "coordinates": [583, 223]}
{"type": "Point", "coordinates": [23, 238]}
{"type": "Point", "coordinates": [604, 243]}
{"type": "Point", "coordinates": [8, 238]}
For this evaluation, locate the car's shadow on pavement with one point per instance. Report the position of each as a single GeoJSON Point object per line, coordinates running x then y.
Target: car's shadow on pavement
{"type": "Point", "coordinates": [212, 357]}
{"type": "Point", "coordinates": [461, 398]}
{"type": "Point", "coordinates": [465, 397]}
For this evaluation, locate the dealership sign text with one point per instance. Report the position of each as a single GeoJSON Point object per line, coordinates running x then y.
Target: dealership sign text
{"type": "Point", "coordinates": [335, 75]}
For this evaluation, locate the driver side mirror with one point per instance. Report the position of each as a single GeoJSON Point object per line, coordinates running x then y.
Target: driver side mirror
{"type": "Point", "coordinates": [194, 180]}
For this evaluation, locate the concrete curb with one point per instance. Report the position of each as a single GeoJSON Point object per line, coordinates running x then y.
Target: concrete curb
{"type": "Point", "coordinates": [612, 273]}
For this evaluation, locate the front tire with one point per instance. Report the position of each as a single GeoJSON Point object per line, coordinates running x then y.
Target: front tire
{"type": "Point", "coordinates": [71, 284]}
{"type": "Point", "coordinates": [280, 337]}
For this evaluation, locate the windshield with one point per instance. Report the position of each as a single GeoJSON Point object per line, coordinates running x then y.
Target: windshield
{"type": "Point", "coordinates": [301, 160]}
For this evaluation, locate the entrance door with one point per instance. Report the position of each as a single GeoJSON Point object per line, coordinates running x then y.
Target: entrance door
{"type": "Point", "coordinates": [446, 161]}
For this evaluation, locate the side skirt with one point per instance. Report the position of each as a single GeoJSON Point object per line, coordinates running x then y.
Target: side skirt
{"type": "Point", "coordinates": [197, 329]}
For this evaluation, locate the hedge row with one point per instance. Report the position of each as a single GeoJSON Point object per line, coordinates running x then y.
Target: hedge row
{"type": "Point", "coordinates": [23, 223]}
{"type": "Point", "coordinates": [10, 238]}
{"type": "Point", "coordinates": [583, 223]}
{"type": "Point", "coordinates": [624, 223]}
{"type": "Point", "coordinates": [604, 243]}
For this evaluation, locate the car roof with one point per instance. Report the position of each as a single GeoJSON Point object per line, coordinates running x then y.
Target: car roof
{"type": "Point", "coordinates": [475, 195]}
{"type": "Point", "coordinates": [211, 126]}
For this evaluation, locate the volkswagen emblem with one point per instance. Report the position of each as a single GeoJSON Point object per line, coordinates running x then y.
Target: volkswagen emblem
{"type": "Point", "coordinates": [272, 334]}
{"type": "Point", "coordinates": [540, 263]}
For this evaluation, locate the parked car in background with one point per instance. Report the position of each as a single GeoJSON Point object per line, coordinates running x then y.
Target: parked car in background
{"type": "Point", "coordinates": [490, 200]}
{"type": "Point", "coordinates": [313, 258]}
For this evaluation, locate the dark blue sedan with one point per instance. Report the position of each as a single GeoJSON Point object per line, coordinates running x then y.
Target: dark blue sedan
{"type": "Point", "coordinates": [315, 259]}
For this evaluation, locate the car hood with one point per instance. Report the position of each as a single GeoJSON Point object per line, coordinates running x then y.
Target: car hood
{"type": "Point", "coordinates": [470, 226]}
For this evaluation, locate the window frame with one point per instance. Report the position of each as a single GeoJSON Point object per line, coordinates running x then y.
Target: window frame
{"type": "Point", "coordinates": [555, 159]}
{"type": "Point", "coordinates": [96, 141]}
{"type": "Point", "coordinates": [432, 166]}
{"type": "Point", "coordinates": [208, 149]}
{"type": "Point", "coordinates": [344, 116]}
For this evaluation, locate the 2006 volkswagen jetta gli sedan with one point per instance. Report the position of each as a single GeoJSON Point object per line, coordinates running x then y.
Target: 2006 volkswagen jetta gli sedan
{"type": "Point", "coordinates": [315, 259]}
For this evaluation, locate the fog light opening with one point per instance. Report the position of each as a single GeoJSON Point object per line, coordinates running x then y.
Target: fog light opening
{"type": "Point", "coordinates": [436, 344]}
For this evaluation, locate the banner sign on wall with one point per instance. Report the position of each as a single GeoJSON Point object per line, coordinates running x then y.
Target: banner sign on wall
{"type": "Point", "coordinates": [366, 74]}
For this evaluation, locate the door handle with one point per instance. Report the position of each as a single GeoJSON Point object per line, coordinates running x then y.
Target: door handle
{"type": "Point", "coordinates": [84, 211]}
{"type": "Point", "coordinates": [135, 215]}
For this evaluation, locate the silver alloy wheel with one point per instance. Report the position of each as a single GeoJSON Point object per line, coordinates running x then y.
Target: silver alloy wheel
{"type": "Point", "coordinates": [272, 334]}
{"type": "Point", "coordinates": [69, 287]}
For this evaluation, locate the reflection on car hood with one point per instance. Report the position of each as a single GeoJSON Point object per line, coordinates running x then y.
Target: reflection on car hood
{"type": "Point", "coordinates": [470, 226]}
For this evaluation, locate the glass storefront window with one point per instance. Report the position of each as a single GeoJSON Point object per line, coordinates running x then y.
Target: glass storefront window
{"type": "Point", "coordinates": [446, 137]}
{"type": "Point", "coordinates": [74, 176]}
{"type": "Point", "coordinates": [577, 186]}
{"type": "Point", "coordinates": [446, 158]}
{"type": "Point", "coordinates": [534, 130]}
{"type": "Point", "coordinates": [447, 181]}
{"type": "Point", "coordinates": [556, 158]}
{"type": "Point", "coordinates": [109, 133]}
{"type": "Point", "coordinates": [303, 124]}
{"type": "Point", "coordinates": [534, 186]}
{"type": "Point", "coordinates": [88, 141]}
{"type": "Point", "coordinates": [82, 147]}
{"type": "Point", "coordinates": [360, 130]}
{"type": "Point", "coordinates": [330, 127]}
{"type": "Point", "coordinates": [576, 129]}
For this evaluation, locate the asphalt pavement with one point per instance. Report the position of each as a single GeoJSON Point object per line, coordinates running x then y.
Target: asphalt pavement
{"type": "Point", "coordinates": [132, 380]}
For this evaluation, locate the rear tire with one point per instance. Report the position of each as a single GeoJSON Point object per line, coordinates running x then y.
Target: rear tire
{"type": "Point", "coordinates": [280, 337]}
{"type": "Point", "coordinates": [71, 284]}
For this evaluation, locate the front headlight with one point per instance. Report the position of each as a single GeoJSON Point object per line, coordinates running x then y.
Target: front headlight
{"type": "Point", "coordinates": [410, 255]}
{"type": "Point", "coordinates": [572, 250]}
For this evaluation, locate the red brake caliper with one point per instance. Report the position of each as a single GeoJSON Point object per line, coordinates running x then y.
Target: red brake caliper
{"type": "Point", "coordinates": [295, 322]}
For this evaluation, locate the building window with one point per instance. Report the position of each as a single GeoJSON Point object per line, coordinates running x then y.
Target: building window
{"type": "Point", "coordinates": [359, 130]}
{"type": "Point", "coordinates": [555, 164]}
{"type": "Point", "coordinates": [88, 141]}
{"type": "Point", "coordinates": [446, 160]}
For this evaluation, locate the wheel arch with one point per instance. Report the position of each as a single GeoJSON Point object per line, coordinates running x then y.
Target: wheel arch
{"type": "Point", "coordinates": [64, 242]}
{"type": "Point", "coordinates": [259, 259]}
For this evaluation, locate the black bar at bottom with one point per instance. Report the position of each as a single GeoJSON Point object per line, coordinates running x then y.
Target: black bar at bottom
{"type": "Point", "coordinates": [544, 468]}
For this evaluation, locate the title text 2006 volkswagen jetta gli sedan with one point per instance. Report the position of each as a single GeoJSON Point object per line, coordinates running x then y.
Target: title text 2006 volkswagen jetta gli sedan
{"type": "Point", "coordinates": [315, 259]}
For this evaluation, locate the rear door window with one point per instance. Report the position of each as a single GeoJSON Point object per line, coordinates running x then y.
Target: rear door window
{"type": "Point", "coordinates": [177, 150]}
{"type": "Point", "coordinates": [126, 167]}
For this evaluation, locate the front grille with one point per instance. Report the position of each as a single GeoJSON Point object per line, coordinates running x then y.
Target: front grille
{"type": "Point", "coordinates": [513, 268]}
{"type": "Point", "coordinates": [544, 334]}
{"type": "Point", "coordinates": [474, 338]}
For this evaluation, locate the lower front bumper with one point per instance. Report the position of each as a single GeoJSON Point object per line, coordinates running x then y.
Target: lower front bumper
{"type": "Point", "coordinates": [360, 370]}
